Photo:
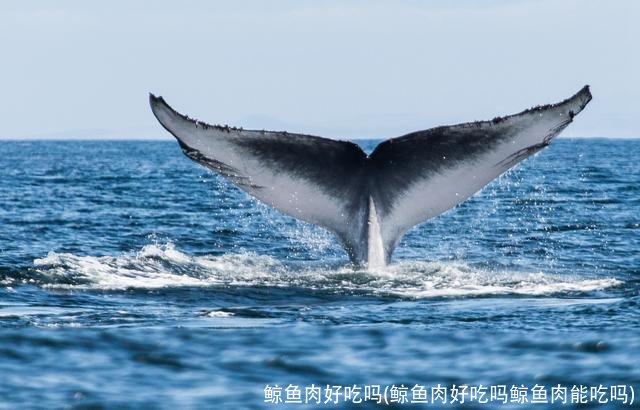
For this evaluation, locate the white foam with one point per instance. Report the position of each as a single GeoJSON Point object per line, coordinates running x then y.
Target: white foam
{"type": "Point", "coordinates": [437, 279]}
{"type": "Point", "coordinates": [219, 313]}
{"type": "Point", "coordinates": [164, 266]}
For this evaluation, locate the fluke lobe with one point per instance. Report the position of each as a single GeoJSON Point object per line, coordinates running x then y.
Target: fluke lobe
{"type": "Point", "coordinates": [369, 201]}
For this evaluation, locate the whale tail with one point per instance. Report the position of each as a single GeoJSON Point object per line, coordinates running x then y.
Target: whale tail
{"type": "Point", "coordinates": [369, 201]}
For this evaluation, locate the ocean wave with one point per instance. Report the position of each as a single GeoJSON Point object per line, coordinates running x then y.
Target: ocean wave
{"type": "Point", "coordinates": [163, 266]}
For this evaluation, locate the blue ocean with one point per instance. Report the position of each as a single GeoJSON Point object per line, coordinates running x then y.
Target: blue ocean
{"type": "Point", "coordinates": [130, 277]}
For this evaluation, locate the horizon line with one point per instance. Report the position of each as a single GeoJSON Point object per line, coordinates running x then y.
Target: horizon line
{"type": "Point", "coordinates": [159, 139]}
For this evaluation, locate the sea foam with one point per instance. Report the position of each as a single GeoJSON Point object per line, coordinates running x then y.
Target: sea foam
{"type": "Point", "coordinates": [162, 266]}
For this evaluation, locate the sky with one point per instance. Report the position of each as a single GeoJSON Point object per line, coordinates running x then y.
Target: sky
{"type": "Point", "coordinates": [340, 69]}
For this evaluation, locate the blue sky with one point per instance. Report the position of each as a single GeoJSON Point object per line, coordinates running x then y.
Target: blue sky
{"type": "Point", "coordinates": [342, 69]}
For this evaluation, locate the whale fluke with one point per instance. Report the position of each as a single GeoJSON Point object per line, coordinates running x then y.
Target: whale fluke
{"type": "Point", "coordinates": [369, 201]}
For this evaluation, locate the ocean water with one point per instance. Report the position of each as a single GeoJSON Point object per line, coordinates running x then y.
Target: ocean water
{"type": "Point", "coordinates": [131, 277]}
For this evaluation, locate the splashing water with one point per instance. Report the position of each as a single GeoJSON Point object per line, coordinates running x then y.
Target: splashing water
{"type": "Point", "coordinates": [164, 266]}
